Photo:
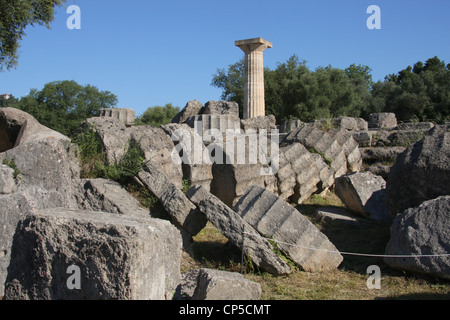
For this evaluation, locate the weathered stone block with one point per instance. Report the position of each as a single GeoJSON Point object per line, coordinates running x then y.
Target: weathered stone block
{"type": "Point", "coordinates": [212, 123]}
{"type": "Point", "coordinates": [221, 108]}
{"type": "Point", "coordinates": [364, 193]}
{"type": "Point", "coordinates": [384, 120]}
{"type": "Point", "coordinates": [119, 257]}
{"type": "Point", "coordinates": [192, 108]}
{"type": "Point", "coordinates": [224, 285]}
{"type": "Point", "coordinates": [125, 115]}
{"type": "Point", "coordinates": [295, 235]}
{"type": "Point", "coordinates": [239, 232]}
{"type": "Point", "coordinates": [420, 173]}
{"type": "Point", "coordinates": [422, 230]}
{"type": "Point", "coordinates": [182, 212]}
{"type": "Point", "coordinates": [107, 196]}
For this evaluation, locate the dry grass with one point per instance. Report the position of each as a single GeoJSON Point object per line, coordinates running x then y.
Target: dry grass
{"type": "Point", "coordinates": [212, 250]}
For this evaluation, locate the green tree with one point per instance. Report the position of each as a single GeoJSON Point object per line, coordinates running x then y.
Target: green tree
{"type": "Point", "coordinates": [157, 116]}
{"type": "Point", "coordinates": [7, 101]}
{"type": "Point", "coordinates": [15, 16]}
{"type": "Point", "coordinates": [232, 82]}
{"type": "Point", "coordinates": [416, 93]}
{"type": "Point", "coordinates": [63, 105]}
{"type": "Point", "coordinates": [293, 91]}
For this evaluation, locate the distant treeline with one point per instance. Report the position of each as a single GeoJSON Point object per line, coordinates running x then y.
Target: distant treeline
{"type": "Point", "coordinates": [417, 93]}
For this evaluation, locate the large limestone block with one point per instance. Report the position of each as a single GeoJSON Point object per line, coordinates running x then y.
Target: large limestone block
{"type": "Point", "coordinates": [191, 150]}
{"type": "Point", "coordinates": [383, 120]}
{"type": "Point", "coordinates": [124, 115]}
{"type": "Point", "coordinates": [210, 124]}
{"type": "Point", "coordinates": [182, 212]}
{"type": "Point", "coordinates": [107, 196]}
{"type": "Point", "coordinates": [364, 194]}
{"type": "Point", "coordinates": [11, 122]}
{"type": "Point", "coordinates": [155, 144]}
{"type": "Point", "coordinates": [191, 109]}
{"type": "Point", "coordinates": [267, 123]}
{"type": "Point", "coordinates": [45, 172]}
{"type": "Point", "coordinates": [113, 135]}
{"type": "Point", "coordinates": [221, 108]}
{"type": "Point", "coordinates": [239, 232]}
{"type": "Point", "coordinates": [118, 257]}
{"type": "Point", "coordinates": [423, 230]}
{"type": "Point", "coordinates": [158, 149]}
{"type": "Point", "coordinates": [420, 173]}
{"type": "Point", "coordinates": [224, 285]}
{"type": "Point", "coordinates": [323, 143]}
{"type": "Point", "coordinates": [295, 235]}
{"type": "Point", "coordinates": [302, 173]}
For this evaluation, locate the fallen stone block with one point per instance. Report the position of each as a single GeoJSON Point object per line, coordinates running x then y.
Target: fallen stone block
{"type": "Point", "coordinates": [267, 123]}
{"type": "Point", "coordinates": [295, 235]}
{"type": "Point", "coordinates": [350, 123]}
{"type": "Point", "coordinates": [212, 124]}
{"type": "Point", "coordinates": [125, 115]}
{"type": "Point", "coordinates": [365, 194]}
{"type": "Point", "coordinates": [238, 231]}
{"type": "Point", "coordinates": [289, 125]}
{"type": "Point", "coordinates": [183, 213]}
{"type": "Point", "coordinates": [302, 173]}
{"type": "Point", "coordinates": [209, 284]}
{"type": "Point", "coordinates": [323, 143]}
{"type": "Point", "coordinates": [236, 166]}
{"type": "Point", "coordinates": [158, 148]}
{"type": "Point", "coordinates": [384, 120]}
{"type": "Point", "coordinates": [221, 108]}
{"type": "Point", "coordinates": [191, 109]}
{"type": "Point", "coordinates": [339, 216]}
{"type": "Point", "coordinates": [191, 150]}
{"type": "Point", "coordinates": [422, 230]}
{"type": "Point", "coordinates": [107, 196]}
{"type": "Point", "coordinates": [62, 254]}
{"type": "Point", "coordinates": [223, 285]}
{"type": "Point", "coordinates": [420, 173]}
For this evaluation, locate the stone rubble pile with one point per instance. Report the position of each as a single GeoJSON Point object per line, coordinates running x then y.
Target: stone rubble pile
{"type": "Point", "coordinates": [53, 220]}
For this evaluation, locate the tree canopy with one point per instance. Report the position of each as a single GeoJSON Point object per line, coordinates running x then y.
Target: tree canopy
{"type": "Point", "coordinates": [293, 91]}
{"type": "Point", "coordinates": [15, 16]}
{"type": "Point", "coordinates": [63, 105]}
{"type": "Point", "coordinates": [157, 115]}
{"type": "Point", "coordinates": [421, 92]}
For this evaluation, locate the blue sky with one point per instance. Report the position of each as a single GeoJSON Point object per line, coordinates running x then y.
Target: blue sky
{"type": "Point", "coordinates": [154, 52]}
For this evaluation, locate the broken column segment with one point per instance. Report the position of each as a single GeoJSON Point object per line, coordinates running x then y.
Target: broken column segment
{"type": "Point", "coordinates": [125, 115]}
{"type": "Point", "coordinates": [294, 234]}
{"type": "Point", "coordinates": [239, 232]}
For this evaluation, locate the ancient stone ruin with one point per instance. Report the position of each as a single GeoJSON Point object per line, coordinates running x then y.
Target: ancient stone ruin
{"type": "Point", "coordinates": [245, 177]}
{"type": "Point", "coordinates": [247, 193]}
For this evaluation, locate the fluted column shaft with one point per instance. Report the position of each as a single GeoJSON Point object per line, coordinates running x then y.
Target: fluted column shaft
{"type": "Point", "coordinates": [254, 97]}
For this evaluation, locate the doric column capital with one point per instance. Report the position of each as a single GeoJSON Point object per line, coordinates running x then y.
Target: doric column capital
{"type": "Point", "coordinates": [255, 44]}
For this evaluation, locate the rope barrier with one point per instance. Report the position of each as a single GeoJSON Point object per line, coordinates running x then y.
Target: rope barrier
{"type": "Point", "coordinates": [356, 254]}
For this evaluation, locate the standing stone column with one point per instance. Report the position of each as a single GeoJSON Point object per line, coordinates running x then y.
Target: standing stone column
{"type": "Point", "coordinates": [254, 104]}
